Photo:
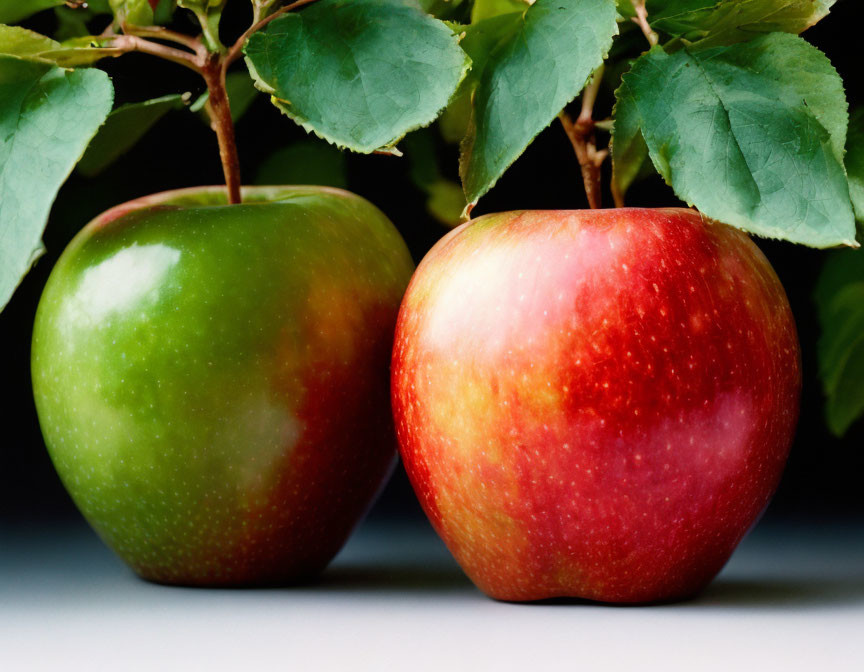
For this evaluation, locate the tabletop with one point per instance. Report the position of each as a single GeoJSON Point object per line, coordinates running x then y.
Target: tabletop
{"type": "Point", "coordinates": [791, 598]}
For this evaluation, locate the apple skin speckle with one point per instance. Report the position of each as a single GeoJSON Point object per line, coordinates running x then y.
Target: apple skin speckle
{"type": "Point", "coordinates": [595, 404]}
{"type": "Point", "coordinates": [213, 382]}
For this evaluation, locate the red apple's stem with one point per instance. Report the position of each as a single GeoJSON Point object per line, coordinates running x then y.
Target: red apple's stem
{"type": "Point", "coordinates": [641, 20]}
{"type": "Point", "coordinates": [237, 48]}
{"type": "Point", "coordinates": [219, 109]}
{"type": "Point", "coordinates": [581, 135]}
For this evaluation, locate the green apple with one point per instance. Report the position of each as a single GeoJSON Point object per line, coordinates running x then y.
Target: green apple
{"type": "Point", "coordinates": [212, 381]}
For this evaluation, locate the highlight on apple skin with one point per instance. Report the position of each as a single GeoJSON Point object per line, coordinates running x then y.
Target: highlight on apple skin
{"type": "Point", "coordinates": [595, 404]}
{"type": "Point", "coordinates": [212, 381]}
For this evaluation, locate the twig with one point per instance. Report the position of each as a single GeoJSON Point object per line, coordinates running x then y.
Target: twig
{"type": "Point", "coordinates": [237, 48]}
{"type": "Point", "coordinates": [211, 66]}
{"type": "Point", "coordinates": [160, 33]}
{"type": "Point", "coordinates": [641, 20]}
{"type": "Point", "coordinates": [130, 43]}
{"type": "Point", "coordinates": [581, 135]}
{"type": "Point", "coordinates": [589, 97]}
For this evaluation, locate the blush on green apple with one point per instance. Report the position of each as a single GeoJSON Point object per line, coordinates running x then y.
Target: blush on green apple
{"type": "Point", "coordinates": [212, 380]}
{"type": "Point", "coordinates": [595, 404]}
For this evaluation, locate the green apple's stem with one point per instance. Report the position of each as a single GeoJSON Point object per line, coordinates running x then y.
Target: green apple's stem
{"type": "Point", "coordinates": [207, 56]}
{"type": "Point", "coordinates": [219, 109]}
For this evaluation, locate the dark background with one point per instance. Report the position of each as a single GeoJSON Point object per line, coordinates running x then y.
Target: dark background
{"type": "Point", "coordinates": [823, 477]}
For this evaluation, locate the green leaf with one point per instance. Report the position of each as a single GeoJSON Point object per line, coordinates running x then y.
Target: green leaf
{"type": "Point", "coordinates": [74, 22]}
{"type": "Point", "coordinates": [846, 404]}
{"type": "Point", "coordinates": [528, 66]}
{"type": "Point", "coordinates": [359, 73]}
{"type": "Point", "coordinates": [446, 202]}
{"type": "Point", "coordinates": [629, 151]}
{"type": "Point", "coordinates": [454, 120]}
{"type": "Point", "coordinates": [201, 5]}
{"type": "Point", "coordinates": [486, 9]}
{"type": "Point", "coordinates": [47, 117]}
{"type": "Point", "coordinates": [441, 8]}
{"type": "Point", "coordinates": [13, 11]}
{"type": "Point", "coordinates": [80, 51]}
{"type": "Point", "coordinates": [124, 127]}
{"type": "Point", "coordinates": [855, 161]}
{"type": "Point", "coordinates": [719, 22]}
{"type": "Point", "coordinates": [840, 299]}
{"type": "Point", "coordinates": [26, 44]}
{"type": "Point", "coordinates": [445, 199]}
{"type": "Point", "coordinates": [209, 14]}
{"type": "Point", "coordinates": [143, 12]}
{"type": "Point", "coordinates": [842, 268]}
{"type": "Point", "coordinates": [135, 12]}
{"type": "Point", "coordinates": [751, 134]}
{"type": "Point", "coordinates": [241, 93]}
{"type": "Point", "coordinates": [306, 162]}
{"type": "Point", "coordinates": [478, 41]}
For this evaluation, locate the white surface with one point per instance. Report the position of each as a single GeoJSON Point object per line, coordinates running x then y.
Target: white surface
{"type": "Point", "coordinates": [791, 599]}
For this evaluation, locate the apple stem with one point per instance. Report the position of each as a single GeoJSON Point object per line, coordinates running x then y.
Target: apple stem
{"type": "Point", "coordinates": [206, 56]}
{"type": "Point", "coordinates": [581, 135]}
{"type": "Point", "coordinates": [219, 109]}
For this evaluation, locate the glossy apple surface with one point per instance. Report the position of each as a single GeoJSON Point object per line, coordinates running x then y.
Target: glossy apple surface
{"type": "Point", "coordinates": [212, 381]}
{"type": "Point", "coordinates": [595, 404]}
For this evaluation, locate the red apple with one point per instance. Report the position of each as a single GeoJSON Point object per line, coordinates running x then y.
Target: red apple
{"type": "Point", "coordinates": [595, 404]}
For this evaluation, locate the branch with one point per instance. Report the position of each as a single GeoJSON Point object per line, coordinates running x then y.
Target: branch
{"type": "Point", "coordinates": [237, 48]}
{"type": "Point", "coordinates": [589, 97]}
{"type": "Point", "coordinates": [160, 33]}
{"type": "Point", "coordinates": [130, 43]}
{"type": "Point", "coordinates": [641, 20]}
{"type": "Point", "coordinates": [589, 158]}
{"type": "Point", "coordinates": [581, 136]}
